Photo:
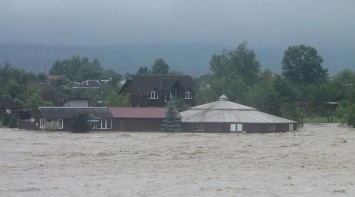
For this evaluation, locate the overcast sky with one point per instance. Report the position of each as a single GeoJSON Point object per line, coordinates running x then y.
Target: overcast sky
{"type": "Point", "coordinates": [322, 23]}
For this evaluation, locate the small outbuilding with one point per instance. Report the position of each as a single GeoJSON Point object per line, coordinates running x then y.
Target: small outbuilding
{"type": "Point", "coordinates": [138, 118]}
{"type": "Point", "coordinates": [227, 116]}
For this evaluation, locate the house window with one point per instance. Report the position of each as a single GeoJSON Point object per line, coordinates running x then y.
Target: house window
{"type": "Point", "coordinates": [198, 127]}
{"type": "Point", "coordinates": [188, 95]}
{"type": "Point", "coordinates": [153, 95]}
{"type": "Point", "coordinates": [272, 128]}
{"type": "Point", "coordinates": [104, 124]}
{"type": "Point", "coordinates": [60, 124]}
{"type": "Point", "coordinates": [42, 122]}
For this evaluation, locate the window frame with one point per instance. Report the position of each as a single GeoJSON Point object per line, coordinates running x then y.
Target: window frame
{"type": "Point", "coordinates": [188, 95]}
{"type": "Point", "coordinates": [60, 123]}
{"type": "Point", "coordinates": [153, 95]}
{"type": "Point", "coordinates": [272, 128]}
{"type": "Point", "coordinates": [42, 122]}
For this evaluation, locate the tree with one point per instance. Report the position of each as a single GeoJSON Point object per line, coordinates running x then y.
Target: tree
{"type": "Point", "coordinates": [143, 70]}
{"type": "Point", "coordinates": [351, 116]}
{"type": "Point", "coordinates": [79, 123]}
{"type": "Point", "coordinates": [241, 62]}
{"type": "Point", "coordinates": [171, 122]}
{"type": "Point", "coordinates": [34, 101]}
{"type": "Point", "coordinates": [160, 67]}
{"type": "Point", "coordinates": [301, 65]}
{"type": "Point", "coordinates": [13, 122]}
{"type": "Point", "coordinates": [114, 100]}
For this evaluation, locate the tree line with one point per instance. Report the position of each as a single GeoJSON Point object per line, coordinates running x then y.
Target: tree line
{"type": "Point", "coordinates": [303, 88]}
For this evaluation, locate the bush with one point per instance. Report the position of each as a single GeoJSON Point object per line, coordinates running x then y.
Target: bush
{"type": "Point", "coordinates": [6, 120]}
{"type": "Point", "coordinates": [79, 123]}
{"type": "Point", "coordinates": [50, 126]}
{"type": "Point", "coordinates": [13, 122]}
{"type": "Point", "coordinates": [351, 116]}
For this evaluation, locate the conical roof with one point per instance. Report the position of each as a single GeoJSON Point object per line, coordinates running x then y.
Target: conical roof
{"type": "Point", "coordinates": [227, 111]}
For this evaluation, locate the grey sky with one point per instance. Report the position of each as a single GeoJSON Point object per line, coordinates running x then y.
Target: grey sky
{"type": "Point", "coordinates": [322, 23]}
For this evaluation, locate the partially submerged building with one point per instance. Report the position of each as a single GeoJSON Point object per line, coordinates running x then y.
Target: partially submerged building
{"type": "Point", "coordinates": [138, 118]}
{"type": "Point", "coordinates": [227, 116]}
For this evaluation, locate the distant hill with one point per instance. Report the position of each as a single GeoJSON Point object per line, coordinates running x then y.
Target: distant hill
{"type": "Point", "coordinates": [189, 58]}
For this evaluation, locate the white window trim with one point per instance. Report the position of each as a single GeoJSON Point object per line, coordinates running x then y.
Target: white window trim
{"type": "Point", "coordinates": [104, 124]}
{"type": "Point", "coordinates": [188, 95]}
{"type": "Point", "coordinates": [59, 123]}
{"type": "Point", "coordinates": [153, 95]}
{"type": "Point", "coordinates": [42, 122]}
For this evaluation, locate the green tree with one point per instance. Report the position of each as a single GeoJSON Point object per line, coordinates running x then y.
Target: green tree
{"type": "Point", "coordinates": [301, 65]}
{"type": "Point", "coordinates": [240, 62]}
{"type": "Point", "coordinates": [351, 116]}
{"type": "Point", "coordinates": [34, 101]}
{"type": "Point", "coordinates": [171, 122]}
{"type": "Point", "coordinates": [160, 67]}
{"type": "Point", "coordinates": [13, 122]}
{"type": "Point", "coordinates": [143, 70]}
{"type": "Point", "coordinates": [114, 100]}
{"type": "Point", "coordinates": [6, 119]}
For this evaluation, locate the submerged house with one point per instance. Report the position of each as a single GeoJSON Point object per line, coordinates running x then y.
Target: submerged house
{"type": "Point", "coordinates": [147, 90]}
{"type": "Point", "coordinates": [99, 118]}
{"type": "Point", "coordinates": [138, 118]}
{"type": "Point", "coordinates": [226, 116]}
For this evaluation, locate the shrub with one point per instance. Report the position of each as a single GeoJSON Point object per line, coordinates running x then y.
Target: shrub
{"type": "Point", "coordinates": [6, 120]}
{"type": "Point", "coordinates": [79, 123]}
{"type": "Point", "coordinates": [13, 122]}
{"type": "Point", "coordinates": [50, 126]}
{"type": "Point", "coordinates": [351, 116]}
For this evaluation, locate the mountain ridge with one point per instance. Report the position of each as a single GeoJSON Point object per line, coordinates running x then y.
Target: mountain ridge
{"type": "Point", "coordinates": [189, 58]}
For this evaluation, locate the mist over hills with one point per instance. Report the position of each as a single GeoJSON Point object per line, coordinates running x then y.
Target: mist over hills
{"type": "Point", "coordinates": [190, 58]}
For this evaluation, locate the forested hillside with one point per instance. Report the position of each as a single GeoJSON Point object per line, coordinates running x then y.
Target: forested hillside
{"type": "Point", "coordinates": [185, 57]}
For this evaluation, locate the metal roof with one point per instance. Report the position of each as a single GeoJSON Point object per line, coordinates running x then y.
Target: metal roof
{"type": "Point", "coordinates": [138, 112]}
{"type": "Point", "coordinates": [226, 111]}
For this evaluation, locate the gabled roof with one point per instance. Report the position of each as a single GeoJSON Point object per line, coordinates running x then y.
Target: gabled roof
{"type": "Point", "coordinates": [145, 82]}
{"type": "Point", "coordinates": [226, 111]}
{"type": "Point", "coordinates": [68, 112]}
{"type": "Point", "coordinates": [138, 112]}
{"type": "Point", "coordinates": [8, 103]}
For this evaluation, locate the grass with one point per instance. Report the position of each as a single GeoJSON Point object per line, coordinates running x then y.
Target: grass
{"type": "Point", "coordinates": [320, 119]}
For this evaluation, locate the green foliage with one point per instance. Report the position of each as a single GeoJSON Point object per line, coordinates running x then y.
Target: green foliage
{"type": "Point", "coordinates": [302, 66]}
{"type": "Point", "coordinates": [204, 94]}
{"type": "Point", "coordinates": [341, 112]}
{"type": "Point", "coordinates": [79, 123]}
{"type": "Point", "coordinates": [114, 100]}
{"type": "Point", "coordinates": [181, 105]}
{"type": "Point", "coordinates": [351, 116]}
{"type": "Point", "coordinates": [160, 67]}
{"type": "Point", "coordinates": [292, 112]}
{"type": "Point", "coordinates": [13, 122]}
{"type": "Point", "coordinates": [171, 122]}
{"type": "Point", "coordinates": [77, 68]}
{"type": "Point", "coordinates": [240, 62]}
{"type": "Point", "coordinates": [143, 70]}
{"type": "Point", "coordinates": [6, 119]}
{"type": "Point", "coordinates": [34, 101]}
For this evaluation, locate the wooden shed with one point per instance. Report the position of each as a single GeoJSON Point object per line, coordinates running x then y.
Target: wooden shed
{"type": "Point", "coordinates": [226, 116]}
{"type": "Point", "coordinates": [138, 118]}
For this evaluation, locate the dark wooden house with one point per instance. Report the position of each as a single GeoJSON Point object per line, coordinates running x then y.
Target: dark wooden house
{"type": "Point", "coordinates": [99, 118]}
{"type": "Point", "coordinates": [138, 118]}
{"type": "Point", "coordinates": [156, 90]}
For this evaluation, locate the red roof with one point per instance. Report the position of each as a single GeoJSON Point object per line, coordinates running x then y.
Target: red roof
{"type": "Point", "coordinates": [138, 112]}
{"type": "Point", "coordinates": [54, 77]}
